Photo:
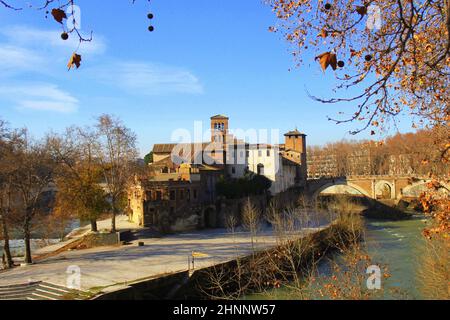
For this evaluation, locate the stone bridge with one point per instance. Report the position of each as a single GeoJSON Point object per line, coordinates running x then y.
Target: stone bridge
{"type": "Point", "coordinates": [375, 187]}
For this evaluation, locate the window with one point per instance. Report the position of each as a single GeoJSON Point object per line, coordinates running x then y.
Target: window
{"type": "Point", "coordinates": [158, 195]}
{"type": "Point", "coordinates": [260, 169]}
{"type": "Point", "coordinates": [233, 170]}
{"type": "Point", "coordinates": [195, 193]}
{"type": "Point", "coordinates": [181, 194]}
{"type": "Point", "coordinates": [188, 195]}
{"type": "Point", "coordinates": [268, 153]}
{"type": "Point", "coordinates": [248, 154]}
{"type": "Point", "coordinates": [260, 153]}
{"type": "Point", "coordinates": [172, 195]}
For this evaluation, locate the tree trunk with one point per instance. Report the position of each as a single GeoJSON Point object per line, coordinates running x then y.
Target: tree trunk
{"type": "Point", "coordinates": [113, 221]}
{"type": "Point", "coordinates": [114, 212]}
{"type": "Point", "coordinates": [27, 240]}
{"type": "Point", "coordinates": [94, 225]}
{"type": "Point", "coordinates": [7, 258]}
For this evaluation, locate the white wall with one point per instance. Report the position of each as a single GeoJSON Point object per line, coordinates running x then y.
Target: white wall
{"type": "Point", "coordinates": [282, 176]}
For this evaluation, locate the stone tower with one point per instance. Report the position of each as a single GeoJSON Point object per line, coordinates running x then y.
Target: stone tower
{"type": "Point", "coordinates": [219, 128]}
{"type": "Point", "coordinates": [295, 150]}
{"type": "Point", "coordinates": [219, 135]}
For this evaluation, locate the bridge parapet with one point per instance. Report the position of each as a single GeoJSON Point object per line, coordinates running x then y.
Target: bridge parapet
{"type": "Point", "coordinates": [374, 186]}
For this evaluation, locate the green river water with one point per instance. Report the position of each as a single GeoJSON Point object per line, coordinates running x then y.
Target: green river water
{"type": "Point", "coordinates": [392, 244]}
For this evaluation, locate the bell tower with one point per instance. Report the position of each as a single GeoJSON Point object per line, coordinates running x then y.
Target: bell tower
{"type": "Point", "coordinates": [219, 135]}
{"type": "Point", "coordinates": [219, 129]}
{"type": "Point", "coordinates": [295, 150]}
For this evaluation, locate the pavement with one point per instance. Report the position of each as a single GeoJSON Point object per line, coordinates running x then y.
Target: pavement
{"type": "Point", "coordinates": [110, 266]}
{"type": "Point", "coordinates": [122, 223]}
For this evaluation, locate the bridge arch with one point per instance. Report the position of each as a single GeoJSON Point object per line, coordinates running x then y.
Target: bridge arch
{"type": "Point", "coordinates": [384, 190]}
{"type": "Point", "coordinates": [415, 189]}
{"type": "Point", "coordinates": [345, 188]}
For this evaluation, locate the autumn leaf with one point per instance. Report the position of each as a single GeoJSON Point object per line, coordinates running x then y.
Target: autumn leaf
{"type": "Point", "coordinates": [75, 59]}
{"type": "Point", "coordinates": [327, 59]}
{"type": "Point", "coordinates": [362, 10]}
{"type": "Point", "coordinates": [59, 15]}
{"type": "Point", "coordinates": [323, 33]}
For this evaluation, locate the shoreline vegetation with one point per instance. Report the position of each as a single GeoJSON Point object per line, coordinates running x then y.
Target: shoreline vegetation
{"type": "Point", "coordinates": [294, 264]}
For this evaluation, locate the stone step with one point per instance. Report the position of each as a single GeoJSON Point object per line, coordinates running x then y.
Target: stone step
{"type": "Point", "coordinates": [11, 291]}
{"type": "Point", "coordinates": [38, 296]}
{"type": "Point", "coordinates": [55, 288]}
{"type": "Point", "coordinates": [18, 286]}
{"type": "Point", "coordinates": [39, 291]}
{"type": "Point", "coordinates": [49, 294]}
{"type": "Point", "coordinates": [13, 297]}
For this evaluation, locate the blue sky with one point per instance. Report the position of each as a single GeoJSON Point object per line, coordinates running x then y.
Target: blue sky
{"type": "Point", "coordinates": [205, 57]}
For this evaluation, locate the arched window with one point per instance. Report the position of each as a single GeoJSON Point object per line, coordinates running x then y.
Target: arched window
{"type": "Point", "coordinates": [260, 169]}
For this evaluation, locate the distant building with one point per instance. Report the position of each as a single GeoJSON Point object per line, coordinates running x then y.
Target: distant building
{"type": "Point", "coordinates": [181, 182]}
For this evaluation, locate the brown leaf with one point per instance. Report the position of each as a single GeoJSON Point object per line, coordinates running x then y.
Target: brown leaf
{"type": "Point", "coordinates": [362, 10]}
{"type": "Point", "coordinates": [75, 59]}
{"type": "Point", "coordinates": [327, 59]}
{"type": "Point", "coordinates": [59, 15]}
{"type": "Point", "coordinates": [323, 33]}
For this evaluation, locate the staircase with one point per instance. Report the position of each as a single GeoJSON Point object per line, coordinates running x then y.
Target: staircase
{"type": "Point", "coordinates": [40, 291]}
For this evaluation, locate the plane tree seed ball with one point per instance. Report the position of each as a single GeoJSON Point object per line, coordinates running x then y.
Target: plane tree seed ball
{"type": "Point", "coordinates": [64, 36]}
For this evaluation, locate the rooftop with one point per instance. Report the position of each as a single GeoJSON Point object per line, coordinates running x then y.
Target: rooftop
{"type": "Point", "coordinates": [219, 116]}
{"type": "Point", "coordinates": [294, 133]}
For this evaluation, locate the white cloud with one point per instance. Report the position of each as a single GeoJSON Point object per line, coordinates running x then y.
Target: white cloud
{"type": "Point", "coordinates": [14, 58]}
{"type": "Point", "coordinates": [25, 49]}
{"type": "Point", "coordinates": [41, 97]}
{"type": "Point", "coordinates": [148, 79]}
{"type": "Point", "coordinates": [39, 38]}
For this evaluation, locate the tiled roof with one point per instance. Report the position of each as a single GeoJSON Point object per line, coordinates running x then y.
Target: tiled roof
{"type": "Point", "coordinates": [289, 162]}
{"type": "Point", "coordinates": [219, 116]}
{"type": "Point", "coordinates": [163, 148]}
{"type": "Point", "coordinates": [294, 133]}
{"type": "Point", "coordinates": [168, 148]}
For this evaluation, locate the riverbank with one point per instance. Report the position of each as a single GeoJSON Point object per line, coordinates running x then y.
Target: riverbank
{"type": "Point", "coordinates": [109, 266]}
{"type": "Point", "coordinates": [394, 246]}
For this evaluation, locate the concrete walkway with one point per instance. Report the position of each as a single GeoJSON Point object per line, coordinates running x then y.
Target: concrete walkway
{"type": "Point", "coordinates": [108, 266]}
{"type": "Point", "coordinates": [122, 223]}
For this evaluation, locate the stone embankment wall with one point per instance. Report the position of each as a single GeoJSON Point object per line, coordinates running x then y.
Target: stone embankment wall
{"type": "Point", "coordinates": [256, 271]}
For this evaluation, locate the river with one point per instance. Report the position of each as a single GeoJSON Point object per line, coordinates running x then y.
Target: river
{"type": "Point", "coordinates": [395, 246]}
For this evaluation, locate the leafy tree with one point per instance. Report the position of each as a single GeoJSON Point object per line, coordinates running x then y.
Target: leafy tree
{"type": "Point", "coordinates": [148, 158]}
{"type": "Point", "coordinates": [79, 176]}
{"type": "Point", "coordinates": [249, 185]}
{"type": "Point", "coordinates": [395, 55]}
{"type": "Point", "coordinates": [400, 65]}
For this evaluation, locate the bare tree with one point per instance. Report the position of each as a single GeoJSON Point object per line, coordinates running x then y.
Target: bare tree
{"type": "Point", "coordinates": [117, 154]}
{"type": "Point", "coordinates": [251, 220]}
{"type": "Point", "coordinates": [8, 143]}
{"type": "Point", "coordinates": [31, 178]}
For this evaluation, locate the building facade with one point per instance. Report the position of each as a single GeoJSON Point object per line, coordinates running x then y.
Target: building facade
{"type": "Point", "coordinates": [181, 182]}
